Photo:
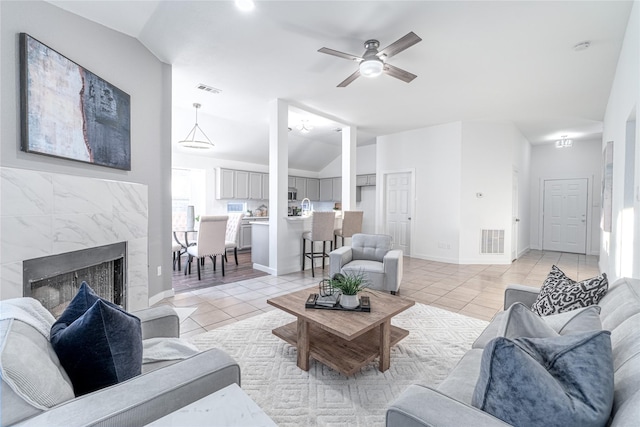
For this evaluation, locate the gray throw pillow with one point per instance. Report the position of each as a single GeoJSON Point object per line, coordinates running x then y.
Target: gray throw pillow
{"type": "Point", "coordinates": [519, 321]}
{"type": "Point", "coordinates": [559, 293]}
{"type": "Point", "coordinates": [560, 381]}
{"type": "Point", "coordinates": [579, 320]}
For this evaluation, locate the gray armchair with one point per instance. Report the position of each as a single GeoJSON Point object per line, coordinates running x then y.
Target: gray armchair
{"type": "Point", "coordinates": [372, 255]}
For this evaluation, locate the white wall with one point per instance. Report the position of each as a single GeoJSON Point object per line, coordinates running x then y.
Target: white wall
{"type": "Point", "coordinates": [452, 163]}
{"type": "Point", "coordinates": [365, 163]}
{"type": "Point", "coordinates": [488, 162]}
{"type": "Point", "coordinates": [624, 101]}
{"type": "Point", "coordinates": [583, 160]}
{"type": "Point", "coordinates": [127, 64]}
{"type": "Point", "coordinates": [433, 154]}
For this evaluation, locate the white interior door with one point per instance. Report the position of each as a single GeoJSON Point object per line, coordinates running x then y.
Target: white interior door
{"type": "Point", "coordinates": [398, 210]}
{"type": "Point", "coordinates": [515, 220]}
{"type": "Point", "coordinates": [565, 215]}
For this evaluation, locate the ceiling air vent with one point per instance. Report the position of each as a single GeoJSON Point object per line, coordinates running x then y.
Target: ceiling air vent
{"type": "Point", "coordinates": [206, 88]}
{"type": "Point", "coordinates": [492, 242]}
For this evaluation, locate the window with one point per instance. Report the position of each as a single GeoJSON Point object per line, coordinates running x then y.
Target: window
{"type": "Point", "coordinates": [236, 207]}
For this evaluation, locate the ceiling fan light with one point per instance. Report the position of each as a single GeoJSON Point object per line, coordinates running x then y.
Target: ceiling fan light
{"type": "Point", "coordinates": [371, 67]}
{"type": "Point", "coordinates": [245, 5]}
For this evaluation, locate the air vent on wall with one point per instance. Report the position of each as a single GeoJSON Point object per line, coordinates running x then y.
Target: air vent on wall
{"type": "Point", "coordinates": [206, 88]}
{"type": "Point", "coordinates": [492, 242]}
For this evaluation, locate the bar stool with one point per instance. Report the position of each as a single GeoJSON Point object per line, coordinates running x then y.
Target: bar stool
{"type": "Point", "coordinates": [351, 224]}
{"type": "Point", "coordinates": [322, 226]}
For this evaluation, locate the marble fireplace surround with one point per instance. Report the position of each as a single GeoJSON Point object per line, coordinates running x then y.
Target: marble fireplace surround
{"type": "Point", "coordinates": [45, 213]}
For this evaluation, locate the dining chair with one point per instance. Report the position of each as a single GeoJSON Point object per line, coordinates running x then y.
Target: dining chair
{"type": "Point", "coordinates": [210, 242]}
{"type": "Point", "coordinates": [176, 250]}
{"type": "Point", "coordinates": [322, 226]}
{"type": "Point", "coordinates": [351, 224]}
{"type": "Point", "coordinates": [231, 237]}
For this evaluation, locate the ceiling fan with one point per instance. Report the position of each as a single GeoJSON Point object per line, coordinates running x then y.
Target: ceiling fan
{"type": "Point", "coordinates": [373, 62]}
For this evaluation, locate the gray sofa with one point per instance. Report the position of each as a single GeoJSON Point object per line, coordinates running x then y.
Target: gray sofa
{"type": "Point", "coordinates": [450, 403]}
{"type": "Point", "coordinates": [163, 386]}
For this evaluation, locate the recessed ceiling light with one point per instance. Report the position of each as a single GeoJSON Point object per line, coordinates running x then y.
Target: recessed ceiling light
{"type": "Point", "coordinates": [582, 46]}
{"type": "Point", "coordinates": [245, 5]}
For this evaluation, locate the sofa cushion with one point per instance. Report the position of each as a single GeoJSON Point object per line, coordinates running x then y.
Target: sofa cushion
{"type": "Point", "coordinates": [374, 272]}
{"type": "Point", "coordinates": [558, 381]}
{"type": "Point", "coordinates": [559, 293]}
{"type": "Point", "coordinates": [372, 247]}
{"type": "Point", "coordinates": [570, 322]}
{"type": "Point", "coordinates": [461, 381]}
{"type": "Point", "coordinates": [101, 347]}
{"type": "Point", "coordinates": [32, 378]}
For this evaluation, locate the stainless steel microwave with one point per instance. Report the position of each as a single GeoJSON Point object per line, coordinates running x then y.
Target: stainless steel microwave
{"type": "Point", "coordinates": [292, 194]}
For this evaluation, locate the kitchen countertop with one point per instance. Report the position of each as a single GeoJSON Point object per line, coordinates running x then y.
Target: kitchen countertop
{"type": "Point", "coordinates": [251, 218]}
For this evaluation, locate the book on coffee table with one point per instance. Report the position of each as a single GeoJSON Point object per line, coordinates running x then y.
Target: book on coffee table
{"type": "Point", "coordinates": [329, 300]}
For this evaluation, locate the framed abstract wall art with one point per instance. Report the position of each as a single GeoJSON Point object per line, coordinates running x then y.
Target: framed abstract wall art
{"type": "Point", "coordinates": [69, 112]}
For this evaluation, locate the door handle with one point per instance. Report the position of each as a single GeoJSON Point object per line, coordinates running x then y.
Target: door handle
{"type": "Point", "coordinates": [517, 219]}
{"type": "Point", "coordinates": [409, 218]}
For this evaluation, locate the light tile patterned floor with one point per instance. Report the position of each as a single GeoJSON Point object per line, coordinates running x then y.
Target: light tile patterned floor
{"type": "Point", "coordinates": [473, 290]}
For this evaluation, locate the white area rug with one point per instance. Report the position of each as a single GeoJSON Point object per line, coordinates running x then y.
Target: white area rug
{"type": "Point", "coordinates": [323, 397]}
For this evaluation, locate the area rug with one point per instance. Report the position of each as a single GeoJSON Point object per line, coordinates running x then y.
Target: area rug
{"type": "Point", "coordinates": [323, 397]}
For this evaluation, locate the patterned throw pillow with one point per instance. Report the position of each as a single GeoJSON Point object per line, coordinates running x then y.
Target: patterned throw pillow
{"type": "Point", "coordinates": [559, 293]}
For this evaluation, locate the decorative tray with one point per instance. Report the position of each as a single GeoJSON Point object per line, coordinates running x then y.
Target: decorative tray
{"type": "Point", "coordinates": [365, 304]}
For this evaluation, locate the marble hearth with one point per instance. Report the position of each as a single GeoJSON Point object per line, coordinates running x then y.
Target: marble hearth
{"type": "Point", "coordinates": [44, 213]}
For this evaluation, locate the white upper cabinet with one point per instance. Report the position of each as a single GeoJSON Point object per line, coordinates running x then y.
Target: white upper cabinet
{"type": "Point", "coordinates": [361, 180]}
{"type": "Point", "coordinates": [226, 184]}
{"type": "Point", "coordinates": [242, 185]}
{"type": "Point", "coordinates": [265, 186]}
{"type": "Point", "coordinates": [300, 184]}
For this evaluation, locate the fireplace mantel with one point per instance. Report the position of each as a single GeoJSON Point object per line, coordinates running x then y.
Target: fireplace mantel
{"type": "Point", "coordinates": [44, 213]}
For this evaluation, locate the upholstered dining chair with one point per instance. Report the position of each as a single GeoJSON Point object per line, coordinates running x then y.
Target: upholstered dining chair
{"type": "Point", "coordinates": [231, 237]}
{"type": "Point", "coordinates": [176, 250]}
{"type": "Point", "coordinates": [322, 226]}
{"type": "Point", "coordinates": [351, 224]}
{"type": "Point", "coordinates": [211, 242]}
{"type": "Point", "coordinates": [373, 256]}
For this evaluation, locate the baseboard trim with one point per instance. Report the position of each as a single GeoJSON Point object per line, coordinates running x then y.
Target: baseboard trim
{"type": "Point", "coordinates": [159, 297]}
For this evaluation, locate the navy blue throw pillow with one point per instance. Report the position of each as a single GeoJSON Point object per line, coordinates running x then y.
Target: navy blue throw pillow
{"type": "Point", "coordinates": [98, 343]}
{"type": "Point", "coordinates": [559, 381]}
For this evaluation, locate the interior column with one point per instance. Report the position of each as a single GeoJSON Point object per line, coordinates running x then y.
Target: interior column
{"type": "Point", "coordinates": [349, 168]}
{"type": "Point", "coordinates": [278, 182]}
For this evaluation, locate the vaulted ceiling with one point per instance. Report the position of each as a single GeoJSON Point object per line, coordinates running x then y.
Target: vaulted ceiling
{"type": "Point", "coordinates": [478, 60]}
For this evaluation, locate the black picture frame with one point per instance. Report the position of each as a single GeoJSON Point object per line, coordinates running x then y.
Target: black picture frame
{"type": "Point", "coordinates": [67, 111]}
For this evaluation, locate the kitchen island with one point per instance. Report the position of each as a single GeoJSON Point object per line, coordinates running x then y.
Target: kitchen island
{"type": "Point", "coordinates": [291, 260]}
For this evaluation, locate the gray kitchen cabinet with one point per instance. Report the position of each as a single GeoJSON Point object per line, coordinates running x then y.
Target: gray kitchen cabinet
{"type": "Point", "coordinates": [265, 186]}
{"type": "Point", "coordinates": [361, 180]}
{"type": "Point", "coordinates": [301, 185]}
{"type": "Point", "coordinates": [326, 189]}
{"type": "Point", "coordinates": [226, 184]}
{"type": "Point", "coordinates": [242, 184]}
{"type": "Point", "coordinates": [255, 186]}
{"type": "Point", "coordinates": [337, 189]}
{"type": "Point", "coordinates": [313, 189]}
{"type": "Point", "coordinates": [245, 236]}
{"type": "Point", "coordinates": [371, 179]}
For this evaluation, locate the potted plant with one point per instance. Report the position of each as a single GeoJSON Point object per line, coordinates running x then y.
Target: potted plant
{"type": "Point", "coordinates": [349, 285]}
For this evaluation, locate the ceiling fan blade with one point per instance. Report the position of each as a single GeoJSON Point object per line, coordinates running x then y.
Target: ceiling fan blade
{"type": "Point", "coordinates": [349, 79]}
{"type": "Point", "coordinates": [399, 45]}
{"type": "Point", "coordinates": [398, 73]}
{"type": "Point", "coordinates": [339, 54]}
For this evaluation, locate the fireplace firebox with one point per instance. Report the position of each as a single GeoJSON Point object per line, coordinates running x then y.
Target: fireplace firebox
{"type": "Point", "coordinates": [54, 280]}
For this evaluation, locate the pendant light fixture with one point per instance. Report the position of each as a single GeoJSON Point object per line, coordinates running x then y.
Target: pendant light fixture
{"type": "Point", "coordinates": [193, 140]}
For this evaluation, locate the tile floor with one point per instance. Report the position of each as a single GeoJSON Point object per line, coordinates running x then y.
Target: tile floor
{"type": "Point", "coordinates": [472, 290]}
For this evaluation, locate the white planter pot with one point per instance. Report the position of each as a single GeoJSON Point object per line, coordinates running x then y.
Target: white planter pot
{"type": "Point", "coordinates": [349, 301]}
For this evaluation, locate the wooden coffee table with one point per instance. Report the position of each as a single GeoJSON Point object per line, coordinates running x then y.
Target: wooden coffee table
{"type": "Point", "coordinates": [343, 340]}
